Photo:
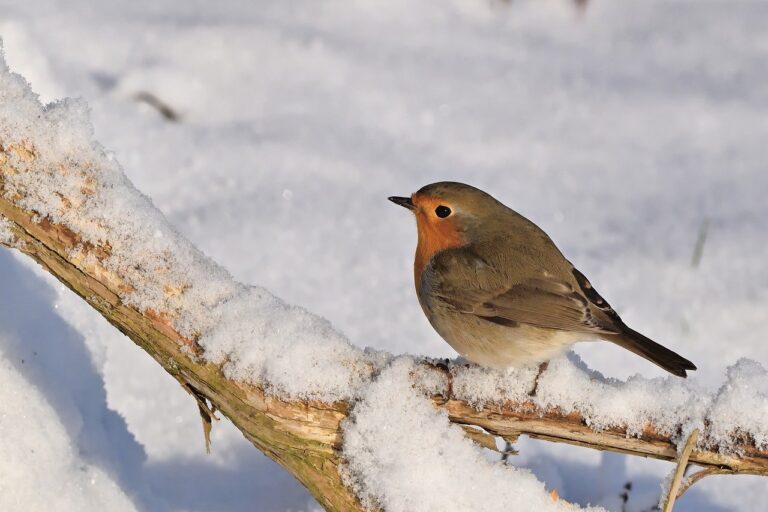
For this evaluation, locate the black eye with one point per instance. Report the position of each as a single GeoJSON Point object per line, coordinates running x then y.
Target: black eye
{"type": "Point", "coordinates": [442, 211]}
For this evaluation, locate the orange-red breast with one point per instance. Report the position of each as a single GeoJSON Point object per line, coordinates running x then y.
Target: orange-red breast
{"type": "Point", "coordinates": [500, 292]}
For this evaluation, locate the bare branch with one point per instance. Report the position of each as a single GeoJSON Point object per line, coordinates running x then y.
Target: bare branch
{"type": "Point", "coordinates": [682, 463]}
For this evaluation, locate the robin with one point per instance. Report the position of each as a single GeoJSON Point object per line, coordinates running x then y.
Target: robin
{"type": "Point", "coordinates": [498, 290]}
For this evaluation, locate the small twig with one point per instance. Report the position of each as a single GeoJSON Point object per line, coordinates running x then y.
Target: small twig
{"type": "Point", "coordinates": [688, 483]}
{"type": "Point", "coordinates": [509, 446]}
{"type": "Point", "coordinates": [701, 241]}
{"type": "Point", "coordinates": [163, 108]}
{"type": "Point", "coordinates": [624, 496]}
{"type": "Point", "coordinates": [207, 414]}
{"type": "Point", "coordinates": [682, 463]}
{"type": "Point", "coordinates": [480, 437]}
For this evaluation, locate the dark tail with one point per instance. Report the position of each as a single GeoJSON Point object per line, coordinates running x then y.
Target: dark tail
{"type": "Point", "coordinates": [652, 351]}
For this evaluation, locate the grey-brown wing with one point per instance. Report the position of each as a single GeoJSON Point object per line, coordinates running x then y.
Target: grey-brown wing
{"type": "Point", "coordinates": [542, 301]}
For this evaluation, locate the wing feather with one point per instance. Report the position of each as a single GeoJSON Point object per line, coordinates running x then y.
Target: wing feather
{"type": "Point", "coordinates": [543, 301]}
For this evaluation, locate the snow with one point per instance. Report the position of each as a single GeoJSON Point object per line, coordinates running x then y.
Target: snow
{"type": "Point", "coordinates": [404, 455]}
{"type": "Point", "coordinates": [620, 131]}
{"type": "Point", "coordinates": [82, 187]}
{"type": "Point", "coordinates": [743, 399]}
{"type": "Point", "coordinates": [664, 402]}
{"type": "Point", "coordinates": [38, 457]}
{"type": "Point", "coordinates": [478, 385]}
{"type": "Point", "coordinates": [261, 340]}
{"type": "Point", "coordinates": [6, 236]}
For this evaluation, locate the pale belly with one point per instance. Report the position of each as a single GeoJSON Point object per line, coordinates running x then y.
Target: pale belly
{"type": "Point", "coordinates": [501, 346]}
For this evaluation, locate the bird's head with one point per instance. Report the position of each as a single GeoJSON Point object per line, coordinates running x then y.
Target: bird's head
{"type": "Point", "coordinates": [448, 215]}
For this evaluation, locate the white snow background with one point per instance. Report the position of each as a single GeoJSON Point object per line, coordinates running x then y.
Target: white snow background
{"type": "Point", "coordinates": [621, 131]}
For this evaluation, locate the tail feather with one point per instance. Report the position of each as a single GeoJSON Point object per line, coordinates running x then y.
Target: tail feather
{"type": "Point", "coordinates": [652, 351]}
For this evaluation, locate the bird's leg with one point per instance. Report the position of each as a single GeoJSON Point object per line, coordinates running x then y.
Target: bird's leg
{"type": "Point", "coordinates": [542, 368]}
{"type": "Point", "coordinates": [509, 447]}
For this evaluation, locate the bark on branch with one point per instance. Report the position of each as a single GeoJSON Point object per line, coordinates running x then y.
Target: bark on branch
{"type": "Point", "coordinates": [303, 436]}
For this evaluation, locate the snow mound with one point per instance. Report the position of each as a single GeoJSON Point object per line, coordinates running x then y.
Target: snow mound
{"type": "Point", "coordinates": [741, 406]}
{"type": "Point", "coordinates": [404, 455]}
{"type": "Point", "coordinates": [259, 339]}
{"type": "Point", "coordinates": [35, 447]}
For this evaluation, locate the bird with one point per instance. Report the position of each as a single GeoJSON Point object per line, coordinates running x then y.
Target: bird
{"type": "Point", "coordinates": [496, 287]}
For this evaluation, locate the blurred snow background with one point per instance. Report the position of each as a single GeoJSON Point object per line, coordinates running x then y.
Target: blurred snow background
{"type": "Point", "coordinates": [623, 130]}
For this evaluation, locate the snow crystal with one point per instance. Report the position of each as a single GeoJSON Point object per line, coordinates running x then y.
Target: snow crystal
{"type": "Point", "coordinates": [404, 455]}
{"type": "Point", "coordinates": [479, 385]}
{"type": "Point", "coordinates": [6, 236]}
{"type": "Point", "coordinates": [38, 460]}
{"type": "Point", "coordinates": [665, 486]}
{"type": "Point", "coordinates": [741, 406]}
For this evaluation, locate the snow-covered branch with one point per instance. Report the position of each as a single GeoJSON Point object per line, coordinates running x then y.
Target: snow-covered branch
{"type": "Point", "coordinates": [353, 426]}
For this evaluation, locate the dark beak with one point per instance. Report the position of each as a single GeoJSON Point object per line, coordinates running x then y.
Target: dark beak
{"type": "Point", "coordinates": [405, 202]}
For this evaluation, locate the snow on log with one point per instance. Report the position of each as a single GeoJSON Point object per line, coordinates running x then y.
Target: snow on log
{"type": "Point", "coordinates": [359, 429]}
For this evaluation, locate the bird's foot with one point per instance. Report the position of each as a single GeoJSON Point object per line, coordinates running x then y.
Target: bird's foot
{"type": "Point", "coordinates": [542, 368]}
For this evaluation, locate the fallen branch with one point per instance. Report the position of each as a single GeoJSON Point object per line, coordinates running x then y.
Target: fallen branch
{"type": "Point", "coordinates": [303, 435]}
